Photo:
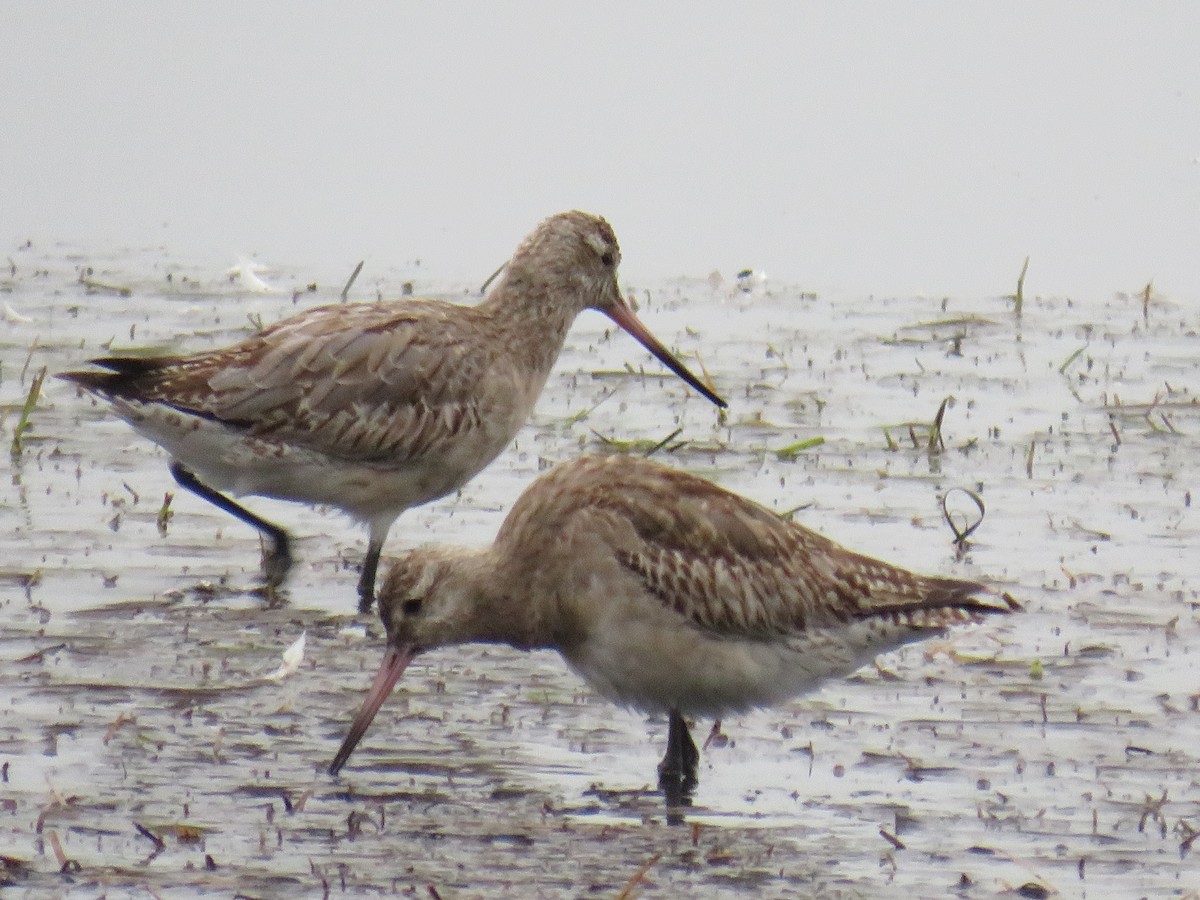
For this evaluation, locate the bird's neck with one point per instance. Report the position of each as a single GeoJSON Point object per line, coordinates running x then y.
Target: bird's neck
{"type": "Point", "coordinates": [532, 316]}
{"type": "Point", "coordinates": [500, 609]}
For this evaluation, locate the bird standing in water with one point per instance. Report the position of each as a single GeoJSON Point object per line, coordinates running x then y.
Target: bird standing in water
{"type": "Point", "coordinates": [665, 593]}
{"type": "Point", "coordinates": [374, 408]}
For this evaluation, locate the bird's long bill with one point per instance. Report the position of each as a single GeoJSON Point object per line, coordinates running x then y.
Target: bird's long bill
{"type": "Point", "coordinates": [395, 661]}
{"type": "Point", "coordinates": [622, 313]}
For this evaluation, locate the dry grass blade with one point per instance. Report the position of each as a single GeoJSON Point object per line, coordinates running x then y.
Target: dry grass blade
{"type": "Point", "coordinates": [631, 888]}
{"type": "Point", "coordinates": [35, 389]}
{"type": "Point", "coordinates": [1019, 296]}
{"type": "Point", "coordinates": [483, 288]}
{"type": "Point", "coordinates": [165, 513]}
{"type": "Point", "coordinates": [642, 446]}
{"type": "Point", "coordinates": [33, 348]}
{"type": "Point", "coordinates": [94, 286]}
{"type": "Point", "coordinates": [56, 846]}
{"type": "Point", "coordinates": [350, 280]}
{"type": "Point", "coordinates": [791, 451]}
{"type": "Point", "coordinates": [936, 444]}
{"type": "Point", "coordinates": [670, 437]}
{"type": "Point", "coordinates": [1062, 370]}
{"type": "Point", "coordinates": [584, 413]}
{"type": "Point", "coordinates": [961, 534]}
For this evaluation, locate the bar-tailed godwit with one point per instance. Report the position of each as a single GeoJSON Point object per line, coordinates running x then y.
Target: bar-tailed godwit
{"type": "Point", "coordinates": [374, 408]}
{"type": "Point", "coordinates": [667, 594]}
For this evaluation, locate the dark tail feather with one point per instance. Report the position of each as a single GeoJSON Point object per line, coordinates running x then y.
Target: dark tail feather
{"type": "Point", "coordinates": [965, 594]}
{"type": "Point", "coordinates": [950, 595]}
{"type": "Point", "coordinates": [90, 381]}
{"type": "Point", "coordinates": [132, 365]}
{"type": "Point", "coordinates": [123, 372]}
{"type": "Point", "coordinates": [948, 591]}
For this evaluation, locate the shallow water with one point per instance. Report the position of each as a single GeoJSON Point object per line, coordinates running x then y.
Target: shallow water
{"type": "Point", "coordinates": [1052, 750]}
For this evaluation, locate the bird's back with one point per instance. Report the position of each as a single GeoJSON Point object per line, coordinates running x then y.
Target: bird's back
{"type": "Point", "coordinates": [705, 601]}
{"type": "Point", "coordinates": [322, 404]}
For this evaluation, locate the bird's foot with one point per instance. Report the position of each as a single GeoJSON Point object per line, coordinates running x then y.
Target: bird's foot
{"type": "Point", "coordinates": [365, 601]}
{"type": "Point", "coordinates": [677, 788]}
{"type": "Point", "coordinates": [275, 597]}
{"type": "Point", "coordinates": [671, 775]}
{"type": "Point", "coordinates": [677, 771]}
{"type": "Point", "coordinates": [276, 560]}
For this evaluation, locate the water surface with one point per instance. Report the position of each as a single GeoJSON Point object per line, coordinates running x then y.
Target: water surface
{"type": "Point", "coordinates": [1053, 750]}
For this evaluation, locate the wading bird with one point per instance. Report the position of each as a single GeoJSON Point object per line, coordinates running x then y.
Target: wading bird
{"type": "Point", "coordinates": [377, 407]}
{"type": "Point", "coordinates": [665, 593]}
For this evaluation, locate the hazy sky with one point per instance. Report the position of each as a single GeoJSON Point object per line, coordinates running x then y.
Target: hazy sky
{"type": "Point", "coordinates": [884, 147]}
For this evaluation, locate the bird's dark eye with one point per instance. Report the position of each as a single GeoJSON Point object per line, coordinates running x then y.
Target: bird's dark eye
{"type": "Point", "coordinates": [607, 259]}
{"type": "Point", "coordinates": [411, 607]}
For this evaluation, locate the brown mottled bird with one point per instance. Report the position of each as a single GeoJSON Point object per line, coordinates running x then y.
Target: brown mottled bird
{"type": "Point", "coordinates": [374, 408]}
{"type": "Point", "coordinates": [667, 594]}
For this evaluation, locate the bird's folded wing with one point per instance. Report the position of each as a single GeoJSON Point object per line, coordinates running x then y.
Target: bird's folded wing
{"type": "Point", "coordinates": [732, 566]}
{"type": "Point", "coordinates": [359, 382]}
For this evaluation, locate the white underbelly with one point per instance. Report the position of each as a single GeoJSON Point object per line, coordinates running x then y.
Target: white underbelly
{"type": "Point", "coordinates": [655, 669]}
{"type": "Point", "coordinates": [230, 461]}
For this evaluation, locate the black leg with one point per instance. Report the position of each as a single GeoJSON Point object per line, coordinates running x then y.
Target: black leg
{"type": "Point", "coordinates": [682, 757]}
{"type": "Point", "coordinates": [677, 771]}
{"type": "Point", "coordinates": [366, 583]}
{"type": "Point", "coordinates": [690, 755]}
{"type": "Point", "coordinates": [278, 557]}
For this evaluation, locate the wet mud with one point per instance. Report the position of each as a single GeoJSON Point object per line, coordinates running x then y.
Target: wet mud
{"type": "Point", "coordinates": [144, 749]}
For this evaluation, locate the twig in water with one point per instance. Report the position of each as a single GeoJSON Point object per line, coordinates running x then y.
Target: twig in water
{"type": "Point", "coordinates": [961, 534]}
{"type": "Point", "coordinates": [632, 885]}
{"type": "Point", "coordinates": [1146, 301]}
{"type": "Point", "coordinates": [350, 280]}
{"type": "Point", "coordinates": [56, 846]}
{"type": "Point", "coordinates": [145, 832]}
{"type": "Point", "coordinates": [892, 839]}
{"type": "Point", "coordinates": [1029, 459]}
{"type": "Point", "coordinates": [119, 722]}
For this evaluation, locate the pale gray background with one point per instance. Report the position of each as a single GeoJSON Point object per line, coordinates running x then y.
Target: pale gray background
{"type": "Point", "coordinates": [863, 148]}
